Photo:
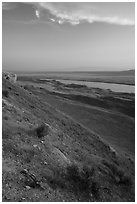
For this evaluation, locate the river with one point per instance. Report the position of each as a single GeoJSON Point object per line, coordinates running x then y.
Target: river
{"type": "Point", "coordinates": [102, 85]}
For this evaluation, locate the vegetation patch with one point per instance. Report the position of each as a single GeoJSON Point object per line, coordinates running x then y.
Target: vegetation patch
{"type": "Point", "coordinates": [5, 93]}
{"type": "Point", "coordinates": [118, 175]}
{"type": "Point", "coordinates": [42, 130]}
{"type": "Point", "coordinates": [80, 181]}
{"type": "Point", "coordinates": [75, 86]}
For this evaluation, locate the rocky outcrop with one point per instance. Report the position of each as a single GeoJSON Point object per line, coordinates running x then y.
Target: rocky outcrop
{"type": "Point", "coordinates": [9, 76]}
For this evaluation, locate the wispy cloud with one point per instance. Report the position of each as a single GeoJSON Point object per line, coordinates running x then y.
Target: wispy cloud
{"type": "Point", "coordinates": [37, 13]}
{"type": "Point", "coordinates": [74, 16]}
{"type": "Point", "coordinates": [72, 13]}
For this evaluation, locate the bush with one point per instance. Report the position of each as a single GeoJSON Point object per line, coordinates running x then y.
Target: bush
{"type": "Point", "coordinates": [5, 117]}
{"type": "Point", "coordinates": [42, 130]}
{"type": "Point", "coordinates": [82, 181]}
{"type": "Point", "coordinates": [57, 180]}
{"type": "Point", "coordinates": [124, 179]}
{"type": "Point", "coordinates": [118, 174]}
{"type": "Point", "coordinates": [79, 181]}
{"type": "Point", "coordinates": [73, 173]}
{"type": "Point", "coordinates": [5, 93]}
{"type": "Point", "coordinates": [25, 87]}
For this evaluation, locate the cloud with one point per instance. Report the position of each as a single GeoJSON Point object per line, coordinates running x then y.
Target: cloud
{"type": "Point", "coordinates": [37, 13]}
{"type": "Point", "coordinates": [8, 6]}
{"type": "Point", "coordinates": [52, 19]}
{"type": "Point", "coordinates": [79, 13]}
{"type": "Point", "coordinates": [73, 13]}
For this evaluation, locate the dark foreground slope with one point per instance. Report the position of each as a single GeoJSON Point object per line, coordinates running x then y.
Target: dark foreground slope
{"type": "Point", "coordinates": [47, 156]}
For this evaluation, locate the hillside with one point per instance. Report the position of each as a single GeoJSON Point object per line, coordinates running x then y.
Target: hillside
{"type": "Point", "coordinates": [50, 156]}
{"type": "Point", "coordinates": [130, 72]}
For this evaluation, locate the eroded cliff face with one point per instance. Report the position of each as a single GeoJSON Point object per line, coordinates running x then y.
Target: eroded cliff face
{"type": "Point", "coordinates": [9, 76]}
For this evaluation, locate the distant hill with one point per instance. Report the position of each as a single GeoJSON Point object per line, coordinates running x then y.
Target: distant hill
{"type": "Point", "coordinates": [130, 72]}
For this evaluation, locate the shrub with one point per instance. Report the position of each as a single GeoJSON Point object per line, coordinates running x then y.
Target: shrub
{"type": "Point", "coordinates": [79, 181]}
{"type": "Point", "coordinates": [124, 179]}
{"type": "Point", "coordinates": [25, 87]}
{"type": "Point", "coordinates": [118, 174]}
{"type": "Point", "coordinates": [5, 93]}
{"type": "Point", "coordinates": [56, 179]}
{"type": "Point", "coordinates": [73, 173]}
{"type": "Point", "coordinates": [95, 189]}
{"type": "Point", "coordinates": [82, 181]}
{"type": "Point", "coordinates": [5, 117]}
{"type": "Point", "coordinates": [42, 130]}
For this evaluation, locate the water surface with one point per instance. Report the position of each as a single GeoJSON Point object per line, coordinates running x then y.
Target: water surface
{"type": "Point", "coordinates": [102, 85]}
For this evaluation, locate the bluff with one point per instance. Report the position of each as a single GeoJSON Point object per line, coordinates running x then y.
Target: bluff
{"type": "Point", "coordinates": [9, 76]}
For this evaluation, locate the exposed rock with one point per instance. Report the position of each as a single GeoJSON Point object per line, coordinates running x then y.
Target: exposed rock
{"type": "Point", "coordinates": [35, 145]}
{"type": "Point", "coordinates": [31, 179]}
{"type": "Point", "coordinates": [9, 76]}
{"type": "Point", "coordinates": [60, 157]}
{"type": "Point", "coordinates": [28, 187]}
{"type": "Point", "coordinates": [6, 103]}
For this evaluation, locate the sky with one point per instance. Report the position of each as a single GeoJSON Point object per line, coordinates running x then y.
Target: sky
{"type": "Point", "coordinates": [68, 36]}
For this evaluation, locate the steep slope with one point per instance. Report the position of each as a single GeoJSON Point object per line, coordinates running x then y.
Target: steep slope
{"type": "Point", "coordinates": [47, 156]}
